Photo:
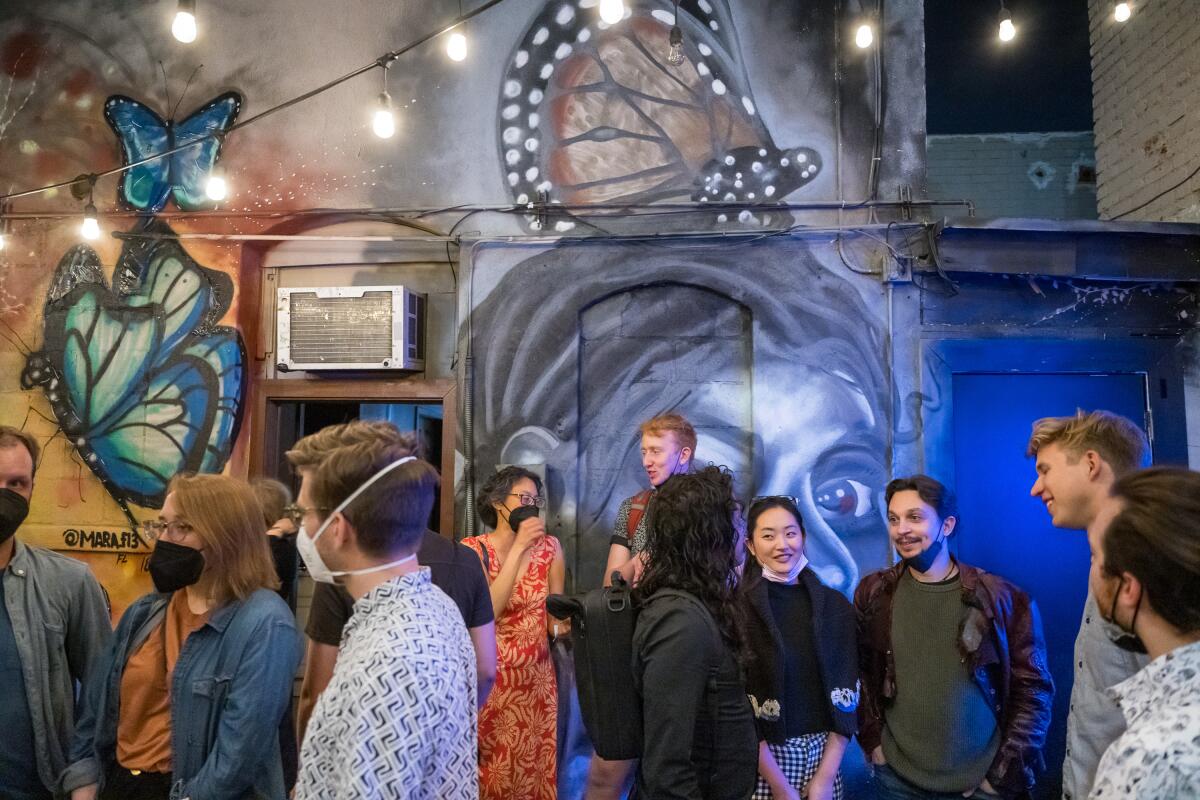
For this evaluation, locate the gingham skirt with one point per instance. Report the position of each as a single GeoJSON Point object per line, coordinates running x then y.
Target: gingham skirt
{"type": "Point", "coordinates": [798, 759]}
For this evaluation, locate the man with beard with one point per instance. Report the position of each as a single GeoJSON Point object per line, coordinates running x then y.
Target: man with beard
{"type": "Point", "coordinates": [956, 692]}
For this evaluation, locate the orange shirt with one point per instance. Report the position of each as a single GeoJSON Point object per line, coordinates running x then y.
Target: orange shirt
{"type": "Point", "coordinates": [144, 719]}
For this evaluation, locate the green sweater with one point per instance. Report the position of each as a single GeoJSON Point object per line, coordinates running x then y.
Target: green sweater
{"type": "Point", "coordinates": [939, 733]}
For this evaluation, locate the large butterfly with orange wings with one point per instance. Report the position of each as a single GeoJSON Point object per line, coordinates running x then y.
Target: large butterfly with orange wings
{"type": "Point", "coordinates": [594, 113]}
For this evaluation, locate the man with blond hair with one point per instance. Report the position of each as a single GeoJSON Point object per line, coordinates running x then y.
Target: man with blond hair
{"type": "Point", "coordinates": [1078, 459]}
{"type": "Point", "coordinates": [453, 568]}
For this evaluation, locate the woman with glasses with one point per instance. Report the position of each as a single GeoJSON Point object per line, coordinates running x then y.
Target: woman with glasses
{"type": "Point", "coordinates": [803, 678]}
{"type": "Point", "coordinates": [188, 698]}
{"type": "Point", "coordinates": [517, 726]}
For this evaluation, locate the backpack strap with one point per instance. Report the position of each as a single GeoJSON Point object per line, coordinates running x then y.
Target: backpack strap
{"type": "Point", "coordinates": [637, 510]}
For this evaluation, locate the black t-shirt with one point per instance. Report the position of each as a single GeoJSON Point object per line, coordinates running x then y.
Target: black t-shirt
{"type": "Point", "coordinates": [453, 568]}
{"type": "Point", "coordinates": [806, 709]}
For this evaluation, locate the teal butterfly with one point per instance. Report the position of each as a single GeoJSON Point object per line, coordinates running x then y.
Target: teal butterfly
{"type": "Point", "coordinates": [181, 175]}
{"type": "Point", "coordinates": [142, 381]}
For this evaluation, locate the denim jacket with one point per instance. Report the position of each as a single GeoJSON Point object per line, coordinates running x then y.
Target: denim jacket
{"type": "Point", "coordinates": [230, 689]}
{"type": "Point", "coordinates": [62, 628]}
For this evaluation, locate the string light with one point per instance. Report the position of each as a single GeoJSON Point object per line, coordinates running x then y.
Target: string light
{"type": "Point", "coordinates": [864, 36]}
{"type": "Point", "coordinates": [1122, 12]}
{"type": "Point", "coordinates": [384, 120]}
{"type": "Point", "coordinates": [183, 27]}
{"type": "Point", "coordinates": [1008, 31]}
{"type": "Point", "coordinates": [675, 53]}
{"type": "Point", "coordinates": [216, 187]}
{"type": "Point", "coordinates": [456, 46]}
{"type": "Point", "coordinates": [612, 11]}
{"type": "Point", "coordinates": [90, 228]}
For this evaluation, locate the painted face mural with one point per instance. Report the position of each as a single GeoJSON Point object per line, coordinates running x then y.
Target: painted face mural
{"type": "Point", "coordinates": [783, 378]}
{"type": "Point", "coordinates": [592, 113]}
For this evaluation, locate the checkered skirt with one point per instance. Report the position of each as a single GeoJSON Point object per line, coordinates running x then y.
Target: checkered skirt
{"type": "Point", "coordinates": [799, 758]}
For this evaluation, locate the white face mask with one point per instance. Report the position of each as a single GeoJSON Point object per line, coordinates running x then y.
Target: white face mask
{"type": "Point", "coordinates": [307, 545]}
{"type": "Point", "coordinates": [785, 577]}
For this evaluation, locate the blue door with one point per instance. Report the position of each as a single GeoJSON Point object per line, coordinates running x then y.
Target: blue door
{"type": "Point", "coordinates": [1004, 530]}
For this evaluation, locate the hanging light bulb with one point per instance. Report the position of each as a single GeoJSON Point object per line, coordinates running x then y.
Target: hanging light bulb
{"type": "Point", "coordinates": [216, 187]}
{"type": "Point", "coordinates": [1122, 12]}
{"type": "Point", "coordinates": [183, 27]}
{"type": "Point", "coordinates": [675, 52]}
{"type": "Point", "coordinates": [456, 46]}
{"type": "Point", "coordinates": [864, 36]}
{"type": "Point", "coordinates": [1008, 31]}
{"type": "Point", "coordinates": [90, 229]}
{"type": "Point", "coordinates": [612, 11]}
{"type": "Point", "coordinates": [384, 120]}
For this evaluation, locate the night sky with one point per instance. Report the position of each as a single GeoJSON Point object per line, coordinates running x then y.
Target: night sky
{"type": "Point", "coordinates": [1040, 81]}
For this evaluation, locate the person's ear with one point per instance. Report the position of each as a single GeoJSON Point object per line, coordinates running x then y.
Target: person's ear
{"type": "Point", "coordinates": [685, 455]}
{"type": "Point", "coordinates": [1095, 464]}
{"type": "Point", "coordinates": [1129, 592]}
{"type": "Point", "coordinates": [948, 525]}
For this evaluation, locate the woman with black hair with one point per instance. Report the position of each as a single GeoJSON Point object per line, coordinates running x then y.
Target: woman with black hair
{"type": "Point", "coordinates": [802, 678]}
{"type": "Point", "coordinates": [518, 724]}
{"type": "Point", "coordinates": [698, 728]}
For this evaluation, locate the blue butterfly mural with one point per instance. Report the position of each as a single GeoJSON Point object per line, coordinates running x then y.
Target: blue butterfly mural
{"type": "Point", "coordinates": [143, 133]}
{"type": "Point", "coordinates": [141, 379]}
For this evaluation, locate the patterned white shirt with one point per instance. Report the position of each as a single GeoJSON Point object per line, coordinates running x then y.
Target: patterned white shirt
{"type": "Point", "coordinates": [1158, 756]}
{"type": "Point", "coordinates": [398, 718]}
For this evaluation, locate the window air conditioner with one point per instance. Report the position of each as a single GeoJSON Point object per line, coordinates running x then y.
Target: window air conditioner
{"type": "Point", "coordinates": [350, 328]}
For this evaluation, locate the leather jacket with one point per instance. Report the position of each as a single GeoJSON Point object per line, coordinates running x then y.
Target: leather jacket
{"type": "Point", "coordinates": [1000, 638]}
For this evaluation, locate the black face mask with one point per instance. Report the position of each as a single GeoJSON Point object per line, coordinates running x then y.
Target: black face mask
{"type": "Point", "coordinates": [924, 560]}
{"type": "Point", "coordinates": [13, 510]}
{"type": "Point", "coordinates": [520, 514]}
{"type": "Point", "coordinates": [173, 566]}
{"type": "Point", "coordinates": [1127, 640]}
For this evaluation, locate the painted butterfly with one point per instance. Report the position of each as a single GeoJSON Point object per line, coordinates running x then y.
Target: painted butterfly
{"type": "Point", "coordinates": [592, 113]}
{"type": "Point", "coordinates": [142, 381]}
{"type": "Point", "coordinates": [143, 133]}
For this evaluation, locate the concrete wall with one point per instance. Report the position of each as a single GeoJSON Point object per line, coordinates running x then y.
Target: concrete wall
{"type": "Point", "coordinates": [1047, 175]}
{"type": "Point", "coordinates": [1146, 78]}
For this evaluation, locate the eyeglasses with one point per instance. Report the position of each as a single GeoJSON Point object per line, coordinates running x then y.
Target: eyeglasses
{"type": "Point", "coordinates": [155, 529]}
{"type": "Point", "coordinates": [296, 512]}
{"type": "Point", "coordinates": [529, 499]}
{"type": "Point", "coordinates": [776, 497]}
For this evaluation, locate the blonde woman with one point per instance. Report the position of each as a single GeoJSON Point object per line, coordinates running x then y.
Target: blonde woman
{"type": "Point", "coordinates": [188, 699]}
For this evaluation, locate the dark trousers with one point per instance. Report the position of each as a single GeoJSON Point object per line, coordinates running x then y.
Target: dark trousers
{"type": "Point", "coordinates": [124, 785]}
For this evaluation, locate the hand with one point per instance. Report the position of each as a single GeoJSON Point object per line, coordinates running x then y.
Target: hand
{"type": "Point", "coordinates": [529, 533]}
{"type": "Point", "coordinates": [282, 527]}
{"type": "Point", "coordinates": [820, 787]}
{"type": "Point", "coordinates": [877, 757]}
{"type": "Point", "coordinates": [984, 787]}
{"type": "Point", "coordinates": [558, 627]}
{"type": "Point", "coordinates": [786, 792]}
{"type": "Point", "coordinates": [86, 792]}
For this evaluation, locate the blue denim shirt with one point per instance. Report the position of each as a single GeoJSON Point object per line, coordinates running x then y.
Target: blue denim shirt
{"type": "Point", "coordinates": [229, 691]}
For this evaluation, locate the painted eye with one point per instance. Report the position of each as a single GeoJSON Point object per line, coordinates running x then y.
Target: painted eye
{"type": "Point", "coordinates": [840, 498]}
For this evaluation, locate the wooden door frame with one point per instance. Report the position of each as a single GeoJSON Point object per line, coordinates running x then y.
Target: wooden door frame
{"type": "Point", "coordinates": [269, 394]}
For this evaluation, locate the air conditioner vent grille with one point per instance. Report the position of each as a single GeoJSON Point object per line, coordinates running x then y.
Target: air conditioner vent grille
{"type": "Point", "coordinates": [341, 329]}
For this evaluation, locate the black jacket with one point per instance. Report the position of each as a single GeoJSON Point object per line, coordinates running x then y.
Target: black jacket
{"type": "Point", "coordinates": [699, 740]}
{"type": "Point", "coordinates": [834, 629]}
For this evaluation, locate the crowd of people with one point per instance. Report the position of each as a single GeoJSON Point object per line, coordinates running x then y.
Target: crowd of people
{"type": "Point", "coordinates": [428, 672]}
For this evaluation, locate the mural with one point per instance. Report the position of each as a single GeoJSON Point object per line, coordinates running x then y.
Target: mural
{"type": "Point", "coordinates": [818, 383]}
{"type": "Point", "coordinates": [591, 113]}
{"type": "Point", "coordinates": [141, 381]}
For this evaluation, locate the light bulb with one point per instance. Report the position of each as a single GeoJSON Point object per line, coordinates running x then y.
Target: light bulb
{"type": "Point", "coordinates": [1008, 31]}
{"type": "Point", "coordinates": [612, 11]}
{"type": "Point", "coordinates": [90, 229]}
{"type": "Point", "coordinates": [1122, 12]}
{"type": "Point", "coordinates": [864, 37]}
{"type": "Point", "coordinates": [215, 187]}
{"type": "Point", "coordinates": [384, 121]}
{"type": "Point", "coordinates": [456, 47]}
{"type": "Point", "coordinates": [675, 53]}
{"type": "Point", "coordinates": [184, 26]}
{"type": "Point", "coordinates": [1, 241]}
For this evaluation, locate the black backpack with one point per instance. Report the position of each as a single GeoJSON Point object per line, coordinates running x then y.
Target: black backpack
{"type": "Point", "coordinates": [602, 623]}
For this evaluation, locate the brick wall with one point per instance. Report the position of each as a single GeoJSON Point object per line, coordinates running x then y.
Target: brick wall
{"type": "Point", "coordinates": [1048, 175]}
{"type": "Point", "coordinates": [1146, 98]}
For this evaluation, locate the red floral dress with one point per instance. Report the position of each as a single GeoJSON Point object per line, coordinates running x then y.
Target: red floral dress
{"type": "Point", "coordinates": [518, 725]}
